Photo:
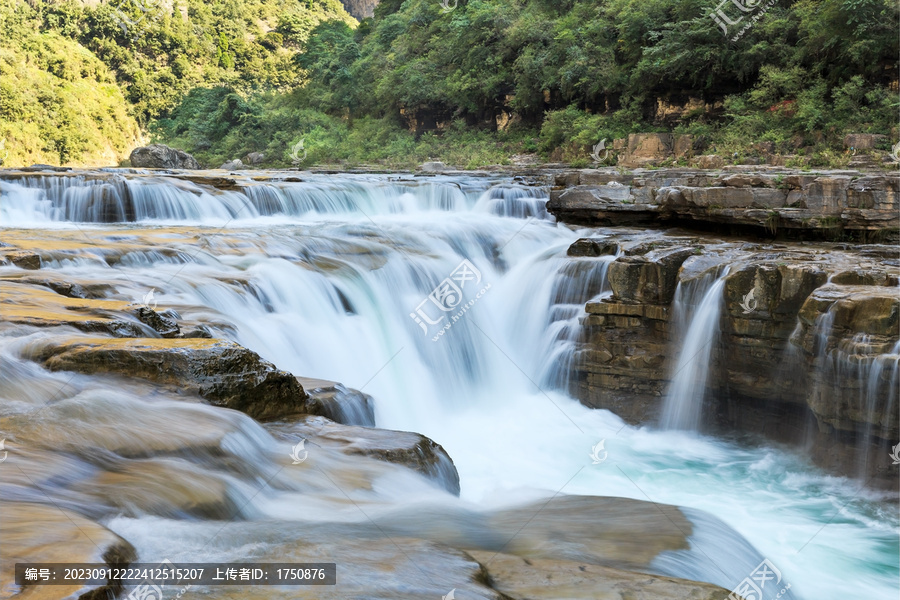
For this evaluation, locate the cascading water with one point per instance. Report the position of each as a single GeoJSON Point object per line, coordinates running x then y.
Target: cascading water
{"type": "Point", "coordinates": [322, 277]}
{"type": "Point", "coordinates": [697, 306]}
{"type": "Point", "coordinates": [864, 371]}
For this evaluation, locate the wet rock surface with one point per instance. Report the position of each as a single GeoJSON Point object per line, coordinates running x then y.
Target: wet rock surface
{"type": "Point", "coordinates": [339, 403]}
{"type": "Point", "coordinates": [411, 450]}
{"type": "Point", "coordinates": [222, 372]}
{"type": "Point", "coordinates": [36, 533]}
{"type": "Point", "coordinates": [547, 579]}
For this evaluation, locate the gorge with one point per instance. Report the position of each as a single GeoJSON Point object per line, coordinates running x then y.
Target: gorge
{"type": "Point", "coordinates": [638, 410]}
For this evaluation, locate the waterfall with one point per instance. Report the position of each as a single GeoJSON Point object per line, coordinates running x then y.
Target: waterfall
{"type": "Point", "coordinates": [106, 198]}
{"type": "Point", "coordinates": [700, 323]}
{"type": "Point", "coordinates": [329, 278]}
{"type": "Point", "coordinates": [578, 282]}
{"type": "Point", "coordinates": [864, 373]}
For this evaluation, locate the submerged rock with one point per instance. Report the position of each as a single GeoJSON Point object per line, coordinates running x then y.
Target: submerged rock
{"type": "Point", "coordinates": [164, 326]}
{"type": "Point", "coordinates": [339, 403]}
{"type": "Point", "coordinates": [159, 156]}
{"type": "Point", "coordinates": [412, 450]}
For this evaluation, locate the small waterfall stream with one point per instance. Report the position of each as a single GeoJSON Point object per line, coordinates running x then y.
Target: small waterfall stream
{"type": "Point", "coordinates": [321, 276]}
{"type": "Point", "coordinates": [697, 306]}
{"type": "Point", "coordinates": [866, 374]}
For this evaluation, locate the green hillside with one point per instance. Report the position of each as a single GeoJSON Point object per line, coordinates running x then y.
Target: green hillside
{"type": "Point", "coordinates": [58, 102]}
{"type": "Point", "coordinates": [474, 85]}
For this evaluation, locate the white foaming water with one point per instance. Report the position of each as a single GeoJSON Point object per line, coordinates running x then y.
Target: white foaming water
{"type": "Point", "coordinates": [326, 292]}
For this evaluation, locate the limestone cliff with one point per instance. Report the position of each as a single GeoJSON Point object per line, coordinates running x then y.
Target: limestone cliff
{"type": "Point", "coordinates": [360, 9]}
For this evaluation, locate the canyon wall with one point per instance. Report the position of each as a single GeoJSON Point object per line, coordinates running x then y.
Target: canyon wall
{"type": "Point", "coordinates": [807, 343]}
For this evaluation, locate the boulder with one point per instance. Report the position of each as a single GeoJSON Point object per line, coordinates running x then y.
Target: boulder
{"type": "Point", "coordinates": [592, 247]}
{"type": "Point", "coordinates": [159, 156]}
{"type": "Point", "coordinates": [224, 373]}
{"type": "Point", "coordinates": [232, 165]}
{"type": "Point", "coordinates": [433, 167]}
{"type": "Point", "coordinates": [254, 158]}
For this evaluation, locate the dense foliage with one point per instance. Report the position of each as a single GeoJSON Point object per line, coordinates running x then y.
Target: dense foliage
{"type": "Point", "coordinates": [58, 102]}
{"type": "Point", "coordinates": [222, 78]}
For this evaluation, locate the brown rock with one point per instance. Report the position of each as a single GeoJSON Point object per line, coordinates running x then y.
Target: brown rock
{"type": "Point", "coordinates": [25, 260]}
{"type": "Point", "coordinates": [36, 533]}
{"type": "Point", "coordinates": [592, 247]}
{"type": "Point", "coordinates": [546, 579]}
{"type": "Point", "coordinates": [827, 195]}
{"type": "Point", "coordinates": [746, 180]}
{"type": "Point", "coordinates": [648, 279]}
{"type": "Point", "coordinates": [864, 323]}
{"type": "Point", "coordinates": [764, 148]}
{"type": "Point", "coordinates": [644, 149]}
{"type": "Point", "coordinates": [684, 146]}
{"type": "Point", "coordinates": [710, 161]}
{"type": "Point", "coordinates": [40, 307]}
{"type": "Point", "coordinates": [863, 141]}
{"type": "Point", "coordinates": [222, 372]}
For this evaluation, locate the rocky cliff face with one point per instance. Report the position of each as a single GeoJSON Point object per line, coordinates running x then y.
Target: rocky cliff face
{"type": "Point", "coordinates": [773, 202]}
{"type": "Point", "coordinates": [360, 9]}
{"type": "Point", "coordinates": [807, 349]}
